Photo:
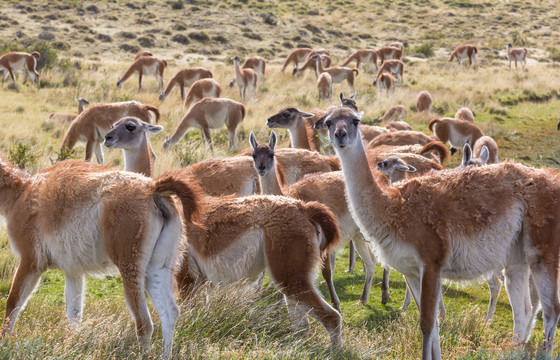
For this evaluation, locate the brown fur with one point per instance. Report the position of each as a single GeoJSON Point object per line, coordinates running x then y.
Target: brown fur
{"type": "Point", "coordinates": [492, 149]}
{"type": "Point", "coordinates": [394, 113]}
{"type": "Point", "coordinates": [141, 53]}
{"type": "Point", "coordinates": [68, 118]}
{"type": "Point", "coordinates": [394, 67]}
{"type": "Point", "coordinates": [387, 81]}
{"type": "Point", "coordinates": [469, 50]}
{"type": "Point", "coordinates": [204, 109]}
{"type": "Point", "coordinates": [201, 89]}
{"type": "Point", "coordinates": [138, 67]}
{"type": "Point", "coordinates": [311, 63]}
{"type": "Point", "coordinates": [246, 79]}
{"type": "Point", "coordinates": [388, 53]}
{"type": "Point", "coordinates": [96, 121]}
{"type": "Point", "coordinates": [464, 113]}
{"type": "Point", "coordinates": [298, 56]}
{"type": "Point", "coordinates": [337, 73]}
{"type": "Point", "coordinates": [185, 78]}
{"type": "Point", "coordinates": [8, 60]}
{"type": "Point", "coordinates": [44, 210]}
{"type": "Point", "coordinates": [444, 128]}
{"type": "Point", "coordinates": [398, 126]}
{"type": "Point", "coordinates": [364, 56]}
{"type": "Point", "coordinates": [423, 101]}
{"type": "Point", "coordinates": [401, 138]}
{"type": "Point", "coordinates": [324, 85]}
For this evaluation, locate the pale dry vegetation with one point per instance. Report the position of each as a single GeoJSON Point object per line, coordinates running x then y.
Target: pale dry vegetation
{"type": "Point", "coordinates": [92, 44]}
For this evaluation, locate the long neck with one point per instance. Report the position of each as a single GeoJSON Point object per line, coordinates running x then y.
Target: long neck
{"type": "Point", "coordinates": [237, 70]}
{"type": "Point", "coordinates": [320, 66]}
{"type": "Point", "coordinates": [366, 197]}
{"type": "Point", "coordinates": [140, 160]}
{"type": "Point", "coordinates": [131, 70]}
{"type": "Point", "coordinates": [80, 107]}
{"type": "Point", "coordinates": [270, 184]}
{"type": "Point", "coordinates": [12, 184]}
{"type": "Point", "coordinates": [170, 86]}
{"type": "Point", "coordinates": [298, 135]}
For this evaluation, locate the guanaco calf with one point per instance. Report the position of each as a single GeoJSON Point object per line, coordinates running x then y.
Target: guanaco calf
{"type": "Point", "coordinates": [14, 61]}
{"type": "Point", "coordinates": [465, 52]}
{"type": "Point", "coordinates": [145, 65]}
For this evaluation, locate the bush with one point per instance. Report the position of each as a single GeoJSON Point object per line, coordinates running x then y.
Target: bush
{"type": "Point", "coordinates": [181, 39]}
{"type": "Point", "coordinates": [23, 155]}
{"type": "Point", "coordinates": [199, 36]}
{"type": "Point", "coordinates": [425, 50]}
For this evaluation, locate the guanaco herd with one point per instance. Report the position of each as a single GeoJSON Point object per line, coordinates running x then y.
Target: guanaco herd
{"type": "Point", "coordinates": [381, 189]}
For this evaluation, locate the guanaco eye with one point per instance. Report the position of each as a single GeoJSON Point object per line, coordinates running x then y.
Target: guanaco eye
{"type": "Point", "coordinates": [271, 156]}
{"type": "Point", "coordinates": [254, 156]}
{"type": "Point", "coordinates": [355, 121]}
{"type": "Point", "coordinates": [328, 123]}
{"type": "Point", "coordinates": [286, 115]}
{"type": "Point", "coordinates": [130, 127]}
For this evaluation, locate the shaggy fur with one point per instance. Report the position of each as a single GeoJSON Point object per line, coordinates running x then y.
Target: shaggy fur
{"type": "Point", "coordinates": [490, 145]}
{"type": "Point", "coordinates": [401, 138]}
{"type": "Point", "coordinates": [460, 225]}
{"type": "Point", "coordinates": [464, 113]}
{"type": "Point", "coordinates": [423, 101]}
{"type": "Point", "coordinates": [88, 219]}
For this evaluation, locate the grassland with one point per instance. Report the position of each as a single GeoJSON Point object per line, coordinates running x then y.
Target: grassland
{"type": "Point", "coordinates": [87, 45]}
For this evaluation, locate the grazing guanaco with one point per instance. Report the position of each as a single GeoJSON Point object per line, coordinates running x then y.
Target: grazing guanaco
{"type": "Point", "coordinates": [397, 44]}
{"type": "Point", "coordinates": [401, 138]}
{"type": "Point", "coordinates": [141, 53]}
{"type": "Point", "coordinates": [511, 223]}
{"type": "Point", "coordinates": [394, 67]}
{"type": "Point", "coordinates": [398, 126]}
{"type": "Point", "coordinates": [464, 113]}
{"type": "Point", "coordinates": [257, 63]}
{"type": "Point", "coordinates": [457, 132]}
{"type": "Point", "coordinates": [362, 56]}
{"type": "Point", "coordinates": [145, 65]}
{"type": "Point", "coordinates": [68, 118]}
{"type": "Point", "coordinates": [311, 64]}
{"type": "Point", "coordinates": [298, 56]}
{"type": "Point", "coordinates": [246, 80]}
{"type": "Point", "coordinates": [394, 113]}
{"type": "Point", "coordinates": [423, 101]}
{"type": "Point", "coordinates": [516, 54]}
{"type": "Point", "coordinates": [388, 53]}
{"type": "Point", "coordinates": [210, 113]}
{"type": "Point", "coordinates": [201, 89]}
{"type": "Point", "coordinates": [89, 219]}
{"type": "Point", "coordinates": [14, 61]}
{"type": "Point", "coordinates": [185, 78]}
{"type": "Point", "coordinates": [386, 81]}
{"type": "Point", "coordinates": [96, 121]}
{"type": "Point", "coordinates": [337, 73]}
{"type": "Point", "coordinates": [324, 85]}
{"type": "Point", "coordinates": [465, 52]}
{"type": "Point", "coordinates": [490, 145]}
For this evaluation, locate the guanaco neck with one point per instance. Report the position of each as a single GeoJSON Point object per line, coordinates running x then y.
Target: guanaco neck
{"type": "Point", "coordinates": [237, 71]}
{"type": "Point", "coordinates": [367, 197]}
{"type": "Point", "coordinates": [270, 184]}
{"type": "Point", "coordinates": [140, 160]}
{"type": "Point", "coordinates": [298, 135]}
{"type": "Point", "coordinates": [170, 86]}
{"type": "Point", "coordinates": [80, 107]}
{"type": "Point", "coordinates": [13, 182]}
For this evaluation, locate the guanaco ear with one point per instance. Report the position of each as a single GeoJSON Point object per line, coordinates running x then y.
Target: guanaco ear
{"type": "Point", "coordinates": [320, 123]}
{"type": "Point", "coordinates": [411, 168]}
{"type": "Point", "coordinates": [305, 115]}
{"type": "Point", "coordinates": [467, 155]}
{"type": "Point", "coordinates": [272, 142]}
{"type": "Point", "coordinates": [360, 115]}
{"type": "Point", "coordinates": [253, 141]}
{"type": "Point", "coordinates": [153, 129]}
{"type": "Point", "coordinates": [341, 96]}
{"type": "Point", "coordinates": [484, 154]}
{"type": "Point", "coordinates": [354, 94]}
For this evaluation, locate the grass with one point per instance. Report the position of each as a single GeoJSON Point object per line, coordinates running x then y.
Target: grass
{"type": "Point", "coordinates": [519, 109]}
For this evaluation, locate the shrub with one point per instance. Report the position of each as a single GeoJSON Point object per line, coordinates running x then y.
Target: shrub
{"type": "Point", "coordinates": [199, 36]}
{"type": "Point", "coordinates": [425, 50]}
{"type": "Point", "coordinates": [181, 39]}
{"type": "Point", "coordinates": [23, 155]}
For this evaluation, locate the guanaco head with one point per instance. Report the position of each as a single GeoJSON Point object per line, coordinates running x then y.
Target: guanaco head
{"type": "Point", "coordinates": [130, 133]}
{"type": "Point", "coordinates": [119, 82]}
{"type": "Point", "coordinates": [236, 59]}
{"type": "Point", "coordinates": [161, 96]}
{"type": "Point", "coordinates": [287, 118]}
{"type": "Point", "coordinates": [82, 101]}
{"type": "Point", "coordinates": [395, 168]}
{"type": "Point", "coordinates": [468, 159]}
{"type": "Point", "coordinates": [348, 102]}
{"type": "Point", "coordinates": [263, 155]}
{"type": "Point", "coordinates": [342, 124]}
